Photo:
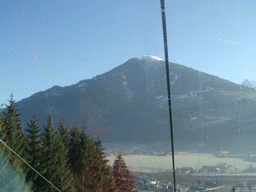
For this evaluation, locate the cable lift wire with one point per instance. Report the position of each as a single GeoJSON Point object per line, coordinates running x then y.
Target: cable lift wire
{"type": "Point", "coordinates": [29, 165]}
{"type": "Point", "coordinates": [168, 87]}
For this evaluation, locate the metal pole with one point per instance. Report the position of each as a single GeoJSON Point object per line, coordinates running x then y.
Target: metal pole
{"type": "Point", "coordinates": [168, 87]}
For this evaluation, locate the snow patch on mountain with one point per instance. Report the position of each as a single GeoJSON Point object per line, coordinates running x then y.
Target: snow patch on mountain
{"type": "Point", "coordinates": [159, 97]}
{"type": "Point", "coordinates": [129, 94]}
{"type": "Point", "coordinates": [194, 93]}
{"type": "Point", "coordinates": [125, 82]}
{"type": "Point", "coordinates": [150, 58]}
{"type": "Point", "coordinates": [54, 91]}
{"type": "Point", "coordinates": [83, 85]}
{"type": "Point", "coordinates": [174, 78]}
{"type": "Point", "coordinates": [54, 94]}
{"type": "Point", "coordinates": [161, 101]}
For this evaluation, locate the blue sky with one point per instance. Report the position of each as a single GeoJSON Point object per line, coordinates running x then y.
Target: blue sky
{"type": "Point", "coordinates": [47, 43]}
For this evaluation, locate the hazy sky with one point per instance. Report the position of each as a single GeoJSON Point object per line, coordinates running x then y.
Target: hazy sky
{"type": "Point", "coordinates": [60, 42]}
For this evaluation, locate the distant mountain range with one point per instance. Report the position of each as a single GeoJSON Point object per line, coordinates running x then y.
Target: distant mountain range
{"type": "Point", "coordinates": [128, 106]}
{"type": "Point", "coordinates": [251, 84]}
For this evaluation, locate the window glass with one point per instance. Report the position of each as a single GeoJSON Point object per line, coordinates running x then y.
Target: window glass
{"type": "Point", "coordinates": [98, 67]}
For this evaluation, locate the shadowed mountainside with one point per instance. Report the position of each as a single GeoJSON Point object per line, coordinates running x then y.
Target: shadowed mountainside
{"type": "Point", "coordinates": [129, 104]}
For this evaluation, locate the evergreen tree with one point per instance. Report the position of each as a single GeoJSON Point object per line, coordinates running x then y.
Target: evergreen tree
{"type": "Point", "coordinates": [77, 153]}
{"type": "Point", "coordinates": [64, 173]}
{"type": "Point", "coordinates": [50, 158]}
{"type": "Point", "coordinates": [122, 175]}
{"type": "Point", "coordinates": [92, 172]}
{"type": "Point", "coordinates": [54, 162]}
{"type": "Point", "coordinates": [12, 133]}
{"type": "Point", "coordinates": [107, 181]}
{"type": "Point", "coordinates": [63, 134]}
{"type": "Point", "coordinates": [34, 155]}
{"type": "Point", "coordinates": [74, 146]}
{"type": "Point", "coordinates": [87, 145]}
{"type": "Point", "coordinates": [49, 161]}
{"type": "Point", "coordinates": [1, 129]}
{"type": "Point", "coordinates": [90, 169]}
{"type": "Point", "coordinates": [94, 175]}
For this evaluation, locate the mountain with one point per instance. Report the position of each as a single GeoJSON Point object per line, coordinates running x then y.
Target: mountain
{"type": "Point", "coordinates": [251, 84]}
{"type": "Point", "coordinates": [127, 106]}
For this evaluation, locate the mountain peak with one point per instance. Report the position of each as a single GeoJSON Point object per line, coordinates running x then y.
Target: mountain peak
{"type": "Point", "coordinates": [248, 83]}
{"type": "Point", "coordinates": [151, 57]}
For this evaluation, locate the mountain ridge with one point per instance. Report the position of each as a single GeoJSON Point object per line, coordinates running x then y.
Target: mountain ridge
{"type": "Point", "coordinates": [129, 104]}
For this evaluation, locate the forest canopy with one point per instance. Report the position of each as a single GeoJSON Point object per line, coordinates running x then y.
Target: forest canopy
{"type": "Point", "coordinates": [58, 158]}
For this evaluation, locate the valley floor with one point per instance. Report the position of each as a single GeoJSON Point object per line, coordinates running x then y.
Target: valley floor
{"type": "Point", "coordinates": [150, 163]}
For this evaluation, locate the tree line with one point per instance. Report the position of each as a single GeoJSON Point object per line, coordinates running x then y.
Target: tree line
{"type": "Point", "coordinates": [69, 158]}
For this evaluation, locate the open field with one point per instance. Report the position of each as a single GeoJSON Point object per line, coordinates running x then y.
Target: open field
{"type": "Point", "coordinates": [147, 163]}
